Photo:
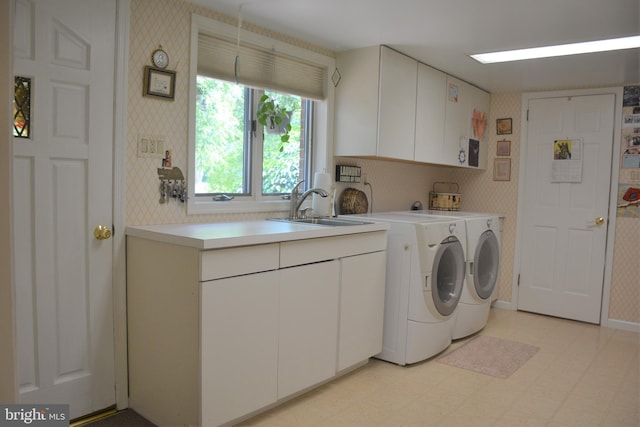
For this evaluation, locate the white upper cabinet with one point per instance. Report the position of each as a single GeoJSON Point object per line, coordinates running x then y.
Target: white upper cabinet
{"type": "Point", "coordinates": [389, 105]}
{"type": "Point", "coordinates": [430, 114]}
{"type": "Point", "coordinates": [397, 105]}
{"type": "Point", "coordinates": [466, 125]}
{"type": "Point", "coordinates": [375, 103]}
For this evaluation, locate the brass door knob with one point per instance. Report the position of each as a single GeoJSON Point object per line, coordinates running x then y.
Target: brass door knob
{"type": "Point", "coordinates": [599, 220]}
{"type": "Point", "coordinates": [101, 232]}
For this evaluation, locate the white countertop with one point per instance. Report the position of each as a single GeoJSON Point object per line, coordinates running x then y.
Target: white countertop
{"type": "Point", "coordinates": [230, 234]}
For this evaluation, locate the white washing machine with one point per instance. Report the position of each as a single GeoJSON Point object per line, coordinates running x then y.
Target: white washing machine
{"type": "Point", "coordinates": [425, 277]}
{"type": "Point", "coordinates": [483, 264]}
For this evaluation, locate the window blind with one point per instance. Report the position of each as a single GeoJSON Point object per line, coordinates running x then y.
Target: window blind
{"type": "Point", "coordinates": [260, 68]}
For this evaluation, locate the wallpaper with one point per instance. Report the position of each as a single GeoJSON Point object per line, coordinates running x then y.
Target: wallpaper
{"type": "Point", "coordinates": [394, 185]}
{"type": "Point", "coordinates": [482, 194]}
{"type": "Point", "coordinates": [167, 23]}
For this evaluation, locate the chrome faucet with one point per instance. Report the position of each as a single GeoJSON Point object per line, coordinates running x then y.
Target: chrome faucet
{"type": "Point", "coordinates": [297, 199]}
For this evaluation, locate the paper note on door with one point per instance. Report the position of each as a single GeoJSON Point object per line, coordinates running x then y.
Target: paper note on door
{"type": "Point", "coordinates": [567, 161]}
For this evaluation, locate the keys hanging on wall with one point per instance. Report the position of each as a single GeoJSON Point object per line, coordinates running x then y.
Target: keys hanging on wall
{"type": "Point", "coordinates": [172, 185]}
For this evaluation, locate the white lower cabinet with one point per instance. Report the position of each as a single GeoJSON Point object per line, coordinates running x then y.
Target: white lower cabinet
{"type": "Point", "coordinates": [217, 335]}
{"type": "Point", "coordinates": [362, 290]}
{"type": "Point", "coordinates": [239, 345]}
{"type": "Point", "coordinates": [308, 326]}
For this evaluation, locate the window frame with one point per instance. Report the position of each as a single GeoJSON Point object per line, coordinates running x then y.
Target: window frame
{"type": "Point", "coordinates": [322, 147]}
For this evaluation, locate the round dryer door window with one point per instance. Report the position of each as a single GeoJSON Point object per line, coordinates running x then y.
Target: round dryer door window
{"type": "Point", "coordinates": [486, 262]}
{"type": "Point", "coordinates": [448, 272]}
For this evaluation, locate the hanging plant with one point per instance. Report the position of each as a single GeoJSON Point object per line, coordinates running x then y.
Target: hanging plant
{"type": "Point", "coordinates": [274, 118]}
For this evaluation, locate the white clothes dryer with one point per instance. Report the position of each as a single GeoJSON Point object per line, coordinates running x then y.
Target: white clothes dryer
{"type": "Point", "coordinates": [482, 268]}
{"type": "Point", "coordinates": [425, 278]}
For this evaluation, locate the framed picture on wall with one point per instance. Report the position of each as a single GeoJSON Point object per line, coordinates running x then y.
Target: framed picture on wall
{"type": "Point", "coordinates": [159, 83]}
{"type": "Point", "coordinates": [503, 148]}
{"type": "Point", "coordinates": [503, 126]}
{"type": "Point", "coordinates": [502, 169]}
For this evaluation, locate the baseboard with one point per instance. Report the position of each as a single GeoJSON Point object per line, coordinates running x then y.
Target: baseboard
{"type": "Point", "coordinates": [610, 323]}
{"type": "Point", "coordinates": [505, 305]}
{"type": "Point", "coordinates": [623, 325]}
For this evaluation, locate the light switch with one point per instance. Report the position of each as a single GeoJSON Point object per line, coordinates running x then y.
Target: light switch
{"type": "Point", "coordinates": [151, 146]}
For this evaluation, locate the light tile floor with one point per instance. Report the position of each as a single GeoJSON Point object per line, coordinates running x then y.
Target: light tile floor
{"type": "Point", "coordinates": [583, 375]}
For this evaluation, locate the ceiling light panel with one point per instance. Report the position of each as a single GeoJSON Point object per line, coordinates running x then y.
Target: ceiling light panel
{"type": "Point", "coordinates": [559, 50]}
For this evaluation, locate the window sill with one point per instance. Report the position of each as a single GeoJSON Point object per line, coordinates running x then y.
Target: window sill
{"type": "Point", "coordinates": [198, 207]}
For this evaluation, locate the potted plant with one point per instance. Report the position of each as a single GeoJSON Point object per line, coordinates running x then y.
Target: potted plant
{"type": "Point", "coordinates": [274, 118]}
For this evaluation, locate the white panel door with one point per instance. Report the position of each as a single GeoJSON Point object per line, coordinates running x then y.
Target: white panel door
{"type": "Point", "coordinates": [565, 223]}
{"type": "Point", "coordinates": [62, 188]}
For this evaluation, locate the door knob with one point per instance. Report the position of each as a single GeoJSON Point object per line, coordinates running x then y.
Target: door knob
{"type": "Point", "coordinates": [599, 220]}
{"type": "Point", "coordinates": [101, 232]}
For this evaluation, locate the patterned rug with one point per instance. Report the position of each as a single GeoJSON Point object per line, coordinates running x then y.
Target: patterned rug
{"type": "Point", "coordinates": [490, 356]}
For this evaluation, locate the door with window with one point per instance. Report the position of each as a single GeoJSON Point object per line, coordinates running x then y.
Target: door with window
{"type": "Point", "coordinates": [565, 201]}
{"type": "Point", "coordinates": [62, 192]}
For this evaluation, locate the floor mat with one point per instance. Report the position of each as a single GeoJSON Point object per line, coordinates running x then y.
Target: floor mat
{"type": "Point", "coordinates": [490, 356]}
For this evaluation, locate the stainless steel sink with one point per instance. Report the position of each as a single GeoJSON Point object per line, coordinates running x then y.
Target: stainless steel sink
{"type": "Point", "coordinates": [322, 221]}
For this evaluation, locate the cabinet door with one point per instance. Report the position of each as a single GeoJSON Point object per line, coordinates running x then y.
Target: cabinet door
{"type": "Point", "coordinates": [480, 102]}
{"type": "Point", "coordinates": [462, 100]}
{"type": "Point", "coordinates": [430, 114]}
{"type": "Point", "coordinates": [308, 326]}
{"type": "Point", "coordinates": [456, 133]}
{"type": "Point", "coordinates": [356, 103]}
{"type": "Point", "coordinates": [397, 105]}
{"type": "Point", "coordinates": [362, 291]}
{"type": "Point", "coordinates": [239, 345]}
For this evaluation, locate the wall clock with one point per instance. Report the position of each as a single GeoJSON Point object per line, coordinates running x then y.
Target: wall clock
{"type": "Point", "coordinates": [160, 58]}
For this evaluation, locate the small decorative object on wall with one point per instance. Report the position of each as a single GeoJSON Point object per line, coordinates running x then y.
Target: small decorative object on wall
{"type": "Point", "coordinates": [347, 173]}
{"type": "Point", "coordinates": [503, 126]}
{"type": "Point", "coordinates": [502, 169]}
{"type": "Point", "coordinates": [336, 77]}
{"type": "Point", "coordinates": [503, 148]}
{"type": "Point", "coordinates": [159, 83]}
{"type": "Point", "coordinates": [452, 93]}
{"type": "Point", "coordinates": [479, 123]}
{"type": "Point", "coordinates": [474, 152]}
{"type": "Point", "coordinates": [160, 58]}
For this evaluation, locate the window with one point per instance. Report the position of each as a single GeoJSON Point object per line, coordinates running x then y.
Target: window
{"type": "Point", "coordinates": [234, 156]}
{"type": "Point", "coordinates": [236, 164]}
{"type": "Point", "coordinates": [22, 107]}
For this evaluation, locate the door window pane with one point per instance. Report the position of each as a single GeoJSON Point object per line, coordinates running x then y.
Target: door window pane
{"type": "Point", "coordinates": [22, 107]}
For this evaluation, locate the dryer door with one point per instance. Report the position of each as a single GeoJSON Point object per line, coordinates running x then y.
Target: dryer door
{"type": "Point", "coordinates": [486, 262]}
{"type": "Point", "coordinates": [448, 276]}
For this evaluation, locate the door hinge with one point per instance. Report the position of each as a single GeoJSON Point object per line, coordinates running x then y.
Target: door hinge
{"type": "Point", "coordinates": [527, 114]}
{"type": "Point", "coordinates": [518, 279]}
